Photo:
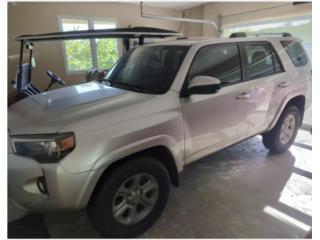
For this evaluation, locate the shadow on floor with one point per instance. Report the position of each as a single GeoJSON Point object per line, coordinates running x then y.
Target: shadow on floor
{"type": "Point", "coordinates": [31, 226]}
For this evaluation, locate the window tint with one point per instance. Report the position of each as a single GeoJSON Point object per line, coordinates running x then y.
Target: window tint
{"type": "Point", "coordinates": [148, 68]}
{"type": "Point", "coordinates": [221, 61]}
{"type": "Point", "coordinates": [259, 59]}
{"type": "Point", "coordinates": [295, 52]}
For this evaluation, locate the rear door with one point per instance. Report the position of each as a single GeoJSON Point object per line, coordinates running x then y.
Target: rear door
{"type": "Point", "coordinates": [264, 72]}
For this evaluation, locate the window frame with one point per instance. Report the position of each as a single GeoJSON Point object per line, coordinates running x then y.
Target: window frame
{"type": "Point", "coordinates": [93, 45]}
{"type": "Point", "coordinates": [184, 89]}
{"type": "Point", "coordinates": [274, 54]}
{"type": "Point", "coordinates": [243, 63]}
{"type": "Point", "coordinates": [187, 48]}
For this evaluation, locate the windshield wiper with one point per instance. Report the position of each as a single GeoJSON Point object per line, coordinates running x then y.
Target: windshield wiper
{"type": "Point", "coordinates": [129, 86]}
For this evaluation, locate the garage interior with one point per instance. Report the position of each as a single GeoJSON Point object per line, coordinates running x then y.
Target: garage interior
{"type": "Point", "coordinates": [240, 192]}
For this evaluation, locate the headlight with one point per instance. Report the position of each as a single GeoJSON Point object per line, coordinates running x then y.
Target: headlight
{"type": "Point", "coordinates": [45, 148]}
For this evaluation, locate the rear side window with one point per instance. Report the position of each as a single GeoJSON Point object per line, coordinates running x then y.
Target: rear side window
{"type": "Point", "coordinates": [295, 52]}
{"type": "Point", "coordinates": [261, 60]}
{"type": "Point", "coordinates": [221, 61]}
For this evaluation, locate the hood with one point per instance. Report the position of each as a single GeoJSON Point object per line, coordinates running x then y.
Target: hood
{"type": "Point", "coordinates": [50, 111]}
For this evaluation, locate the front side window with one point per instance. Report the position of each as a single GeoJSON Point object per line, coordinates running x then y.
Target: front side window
{"type": "Point", "coordinates": [259, 60]}
{"type": "Point", "coordinates": [295, 52]}
{"type": "Point", "coordinates": [83, 54]}
{"type": "Point", "coordinates": [149, 69]}
{"type": "Point", "coordinates": [221, 61]}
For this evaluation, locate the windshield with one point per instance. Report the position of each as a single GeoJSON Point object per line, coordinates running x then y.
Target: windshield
{"type": "Point", "coordinates": [149, 69]}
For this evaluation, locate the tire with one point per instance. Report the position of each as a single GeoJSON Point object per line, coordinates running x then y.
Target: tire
{"type": "Point", "coordinates": [114, 192]}
{"type": "Point", "coordinates": [274, 140]}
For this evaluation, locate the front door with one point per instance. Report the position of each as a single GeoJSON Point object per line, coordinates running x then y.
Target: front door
{"type": "Point", "coordinates": [214, 121]}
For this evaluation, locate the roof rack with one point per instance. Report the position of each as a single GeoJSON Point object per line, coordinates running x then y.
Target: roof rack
{"type": "Point", "coordinates": [243, 34]}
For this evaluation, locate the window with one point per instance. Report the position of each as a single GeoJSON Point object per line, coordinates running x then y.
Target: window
{"type": "Point", "coordinates": [260, 60]}
{"type": "Point", "coordinates": [295, 52]}
{"type": "Point", "coordinates": [149, 69]}
{"type": "Point", "coordinates": [221, 61]}
{"type": "Point", "coordinates": [83, 54]}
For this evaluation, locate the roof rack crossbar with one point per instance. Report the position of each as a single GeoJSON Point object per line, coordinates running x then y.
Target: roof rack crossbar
{"type": "Point", "coordinates": [243, 34]}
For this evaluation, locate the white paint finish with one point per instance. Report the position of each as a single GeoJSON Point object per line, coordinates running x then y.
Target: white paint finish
{"type": "Point", "coordinates": [213, 121]}
{"type": "Point", "coordinates": [203, 81]}
{"type": "Point", "coordinates": [56, 108]}
{"type": "Point", "coordinates": [263, 105]}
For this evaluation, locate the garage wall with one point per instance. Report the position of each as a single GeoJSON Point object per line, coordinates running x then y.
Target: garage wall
{"type": "Point", "coordinates": [212, 10]}
{"type": "Point", "coordinates": [194, 29]}
{"type": "Point", "coordinates": [32, 18]}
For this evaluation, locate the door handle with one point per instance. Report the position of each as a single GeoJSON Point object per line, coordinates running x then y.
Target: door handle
{"type": "Point", "coordinates": [283, 84]}
{"type": "Point", "coordinates": [243, 96]}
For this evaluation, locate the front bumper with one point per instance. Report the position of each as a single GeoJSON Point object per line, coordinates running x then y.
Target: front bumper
{"type": "Point", "coordinates": [65, 191]}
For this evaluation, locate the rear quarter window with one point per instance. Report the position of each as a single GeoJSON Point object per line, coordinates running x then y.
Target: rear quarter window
{"type": "Point", "coordinates": [296, 53]}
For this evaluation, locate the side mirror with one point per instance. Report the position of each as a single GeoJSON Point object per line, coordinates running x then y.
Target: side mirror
{"type": "Point", "coordinates": [204, 85]}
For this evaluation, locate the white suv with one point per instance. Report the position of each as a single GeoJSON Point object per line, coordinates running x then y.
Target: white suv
{"type": "Point", "coordinates": [115, 146]}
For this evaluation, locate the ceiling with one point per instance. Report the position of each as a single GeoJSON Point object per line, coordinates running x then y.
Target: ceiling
{"type": "Point", "coordinates": [183, 5]}
{"type": "Point", "coordinates": [174, 5]}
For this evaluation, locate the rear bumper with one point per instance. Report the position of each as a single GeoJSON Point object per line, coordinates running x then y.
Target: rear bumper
{"type": "Point", "coordinates": [65, 191]}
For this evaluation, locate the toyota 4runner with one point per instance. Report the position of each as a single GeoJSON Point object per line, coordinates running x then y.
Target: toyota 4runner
{"type": "Point", "coordinates": [114, 146]}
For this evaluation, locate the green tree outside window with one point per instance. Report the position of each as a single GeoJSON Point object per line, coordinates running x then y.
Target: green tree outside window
{"type": "Point", "coordinates": [80, 55]}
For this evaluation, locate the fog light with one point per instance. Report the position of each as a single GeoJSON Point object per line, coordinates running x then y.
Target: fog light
{"type": "Point", "coordinates": [42, 185]}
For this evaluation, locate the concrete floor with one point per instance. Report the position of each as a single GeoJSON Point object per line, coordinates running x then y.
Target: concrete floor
{"type": "Point", "coordinates": [240, 192]}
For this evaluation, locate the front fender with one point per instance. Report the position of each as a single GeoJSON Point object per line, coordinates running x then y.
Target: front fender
{"type": "Point", "coordinates": [129, 149]}
{"type": "Point", "coordinates": [106, 160]}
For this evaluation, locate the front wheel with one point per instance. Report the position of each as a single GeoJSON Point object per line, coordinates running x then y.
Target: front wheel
{"type": "Point", "coordinates": [131, 198]}
{"type": "Point", "coordinates": [281, 137]}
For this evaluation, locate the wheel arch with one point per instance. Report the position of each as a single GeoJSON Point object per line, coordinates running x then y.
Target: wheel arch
{"type": "Point", "coordinates": [160, 152]}
{"type": "Point", "coordinates": [298, 100]}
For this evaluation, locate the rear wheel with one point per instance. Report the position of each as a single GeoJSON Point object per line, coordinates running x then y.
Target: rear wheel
{"type": "Point", "coordinates": [131, 198]}
{"type": "Point", "coordinates": [281, 137]}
